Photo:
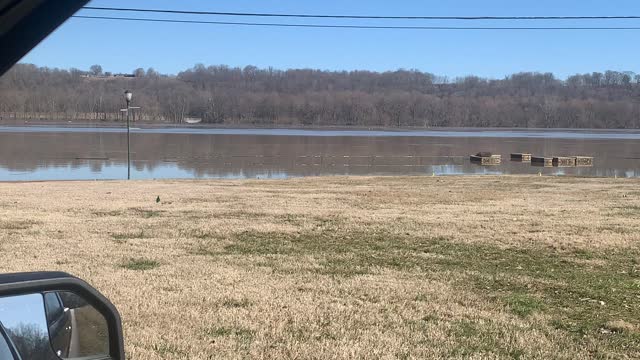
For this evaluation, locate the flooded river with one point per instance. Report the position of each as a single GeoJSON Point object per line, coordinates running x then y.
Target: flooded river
{"type": "Point", "coordinates": [56, 153]}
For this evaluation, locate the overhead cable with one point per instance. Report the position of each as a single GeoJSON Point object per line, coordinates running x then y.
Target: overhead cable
{"type": "Point", "coordinates": [337, 26]}
{"type": "Point", "coordinates": [328, 16]}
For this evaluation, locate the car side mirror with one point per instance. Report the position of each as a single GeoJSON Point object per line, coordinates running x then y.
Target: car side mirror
{"type": "Point", "coordinates": [53, 315]}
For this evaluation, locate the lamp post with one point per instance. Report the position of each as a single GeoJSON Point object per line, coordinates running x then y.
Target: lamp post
{"type": "Point", "coordinates": [127, 96]}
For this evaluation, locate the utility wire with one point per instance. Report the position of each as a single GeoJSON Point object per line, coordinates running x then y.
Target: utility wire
{"type": "Point", "coordinates": [364, 16]}
{"type": "Point", "coordinates": [347, 26]}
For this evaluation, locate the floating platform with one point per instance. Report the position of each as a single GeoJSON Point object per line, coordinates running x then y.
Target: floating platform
{"type": "Point", "coordinates": [541, 161]}
{"type": "Point", "coordinates": [564, 161]}
{"type": "Point", "coordinates": [523, 157]}
{"type": "Point", "coordinates": [584, 160]}
{"type": "Point", "coordinates": [486, 160]}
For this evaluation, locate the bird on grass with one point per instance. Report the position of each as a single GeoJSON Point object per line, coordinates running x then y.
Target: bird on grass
{"type": "Point", "coordinates": [158, 199]}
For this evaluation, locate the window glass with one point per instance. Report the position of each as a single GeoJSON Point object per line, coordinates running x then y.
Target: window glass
{"type": "Point", "coordinates": [53, 306]}
{"type": "Point", "coordinates": [5, 350]}
{"type": "Point", "coordinates": [23, 317]}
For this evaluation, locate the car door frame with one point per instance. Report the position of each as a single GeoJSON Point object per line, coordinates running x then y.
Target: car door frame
{"type": "Point", "coordinates": [47, 281]}
{"type": "Point", "coordinates": [60, 323]}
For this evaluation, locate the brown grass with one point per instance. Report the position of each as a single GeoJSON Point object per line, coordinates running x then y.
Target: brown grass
{"type": "Point", "coordinates": [619, 326]}
{"type": "Point", "coordinates": [362, 268]}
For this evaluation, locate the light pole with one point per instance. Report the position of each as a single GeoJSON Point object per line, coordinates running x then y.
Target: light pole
{"type": "Point", "coordinates": [127, 96]}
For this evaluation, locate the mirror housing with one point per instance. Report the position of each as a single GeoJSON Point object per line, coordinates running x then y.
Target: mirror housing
{"type": "Point", "coordinates": [24, 23]}
{"type": "Point", "coordinates": [42, 282]}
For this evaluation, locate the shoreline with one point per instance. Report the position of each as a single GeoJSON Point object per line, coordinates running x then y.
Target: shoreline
{"type": "Point", "coordinates": [119, 124]}
{"type": "Point", "coordinates": [322, 177]}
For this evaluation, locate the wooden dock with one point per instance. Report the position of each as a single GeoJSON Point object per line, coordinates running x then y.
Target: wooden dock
{"type": "Point", "coordinates": [541, 161]}
{"type": "Point", "coordinates": [564, 161]}
{"type": "Point", "coordinates": [584, 160]}
{"type": "Point", "coordinates": [486, 160]}
{"type": "Point", "coordinates": [523, 157]}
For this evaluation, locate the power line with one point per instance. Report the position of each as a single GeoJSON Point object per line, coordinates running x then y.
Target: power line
{"type": "Point", "coordinates": [347, 26]}
{"type": "Point", "coordinates": [191, 12]}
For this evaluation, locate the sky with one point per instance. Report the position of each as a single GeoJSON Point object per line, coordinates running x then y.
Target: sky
{"type": "Point", "coordinates": [120, 46]}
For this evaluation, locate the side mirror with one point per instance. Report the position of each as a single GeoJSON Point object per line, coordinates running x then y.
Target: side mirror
{"type": "Point", "coordinates": [53, 315]}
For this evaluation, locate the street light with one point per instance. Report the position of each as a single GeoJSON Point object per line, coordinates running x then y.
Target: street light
{"type": "Point", "coordinates": [127, 96]}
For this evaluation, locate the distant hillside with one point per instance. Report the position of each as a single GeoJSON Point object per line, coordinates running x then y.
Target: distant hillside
{"type": "Point", "coordinates": [305, 97]}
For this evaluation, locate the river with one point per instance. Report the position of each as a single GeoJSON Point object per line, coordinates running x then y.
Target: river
{"type": "Point", "coordinates": [70, 153]}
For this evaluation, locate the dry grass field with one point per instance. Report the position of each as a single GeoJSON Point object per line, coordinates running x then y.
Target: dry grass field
{"type": "Point", "coordinates": [361, 268]}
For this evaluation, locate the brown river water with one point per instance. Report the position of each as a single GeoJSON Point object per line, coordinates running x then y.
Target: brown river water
{"type": "Point", "coordinates": [61, 153]}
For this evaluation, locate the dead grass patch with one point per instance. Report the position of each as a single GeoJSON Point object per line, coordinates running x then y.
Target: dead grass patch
{"type": "Point", "coordinates": [102, 213]}
{"type": "Point", "coordinates": [240, 333]}
{"type": "Point", "coordinates": [367, 267]}
{"type": "Point", "coordinates": [145, 213]}
{"type": "Point", "coordinates": [236, 303]}
{"type": "Point", "coordinates": [619, 326]}
{"type": "Point", "coordinates": [123, 236]}
{"type": "Point", "coordinates": [140, 264]}
{"type": "Point", "coordinates": [17, 224]}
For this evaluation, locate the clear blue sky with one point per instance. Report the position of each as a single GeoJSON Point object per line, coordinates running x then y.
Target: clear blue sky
{"type": "Point", "coordinates": [169, 48]}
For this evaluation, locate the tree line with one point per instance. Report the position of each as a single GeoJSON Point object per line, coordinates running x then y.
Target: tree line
{"type": "Point", "coordinates": [251, 96]}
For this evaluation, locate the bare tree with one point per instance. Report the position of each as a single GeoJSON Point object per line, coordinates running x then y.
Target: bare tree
{"type": "Point", "coordinates": [300, 97]}
{"type": "Point", "coordinates": [96, 70]}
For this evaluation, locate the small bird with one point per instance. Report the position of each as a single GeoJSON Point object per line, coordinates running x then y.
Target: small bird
{"type": "Point", "coordinates": [158, 199]}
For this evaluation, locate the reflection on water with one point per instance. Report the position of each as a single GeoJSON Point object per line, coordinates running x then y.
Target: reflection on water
{"type": "Point", "coordinates": [84, 153]}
